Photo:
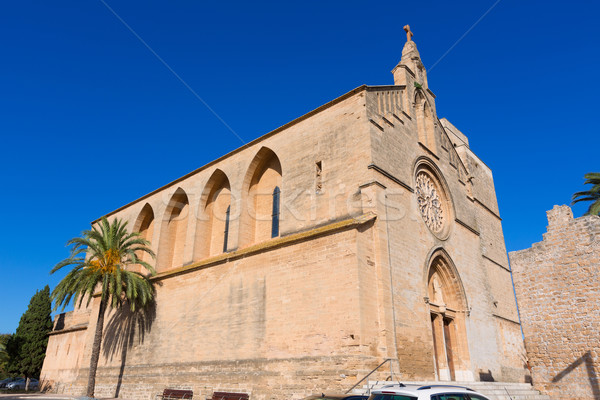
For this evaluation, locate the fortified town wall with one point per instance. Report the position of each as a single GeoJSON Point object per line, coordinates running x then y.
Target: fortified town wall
{"type": "Point", "coordinates": [557, 282]}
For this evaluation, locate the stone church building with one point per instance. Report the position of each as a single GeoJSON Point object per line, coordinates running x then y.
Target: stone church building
{"type": "Point", "coordinates": [362, 231]}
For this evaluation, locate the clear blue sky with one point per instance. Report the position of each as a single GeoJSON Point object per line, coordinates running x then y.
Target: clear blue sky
{"type": "Point", "coordinates": [90, 119]}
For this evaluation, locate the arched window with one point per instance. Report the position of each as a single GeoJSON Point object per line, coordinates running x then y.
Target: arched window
{"type": "Point", "coordinates": [429, 127]}
{"type": "Point", "coordinates": [261, 196]}
{"type": "Point", "coordinates": [214, 218]}
{"type": "Point", "coordinates": [173, 232]}
{"type": "Point", "coordinates": [144, 224]}
{"type": "Point", "coordinates": [425, 126]}
{"type": "Point", "coordinates": [275, 215]}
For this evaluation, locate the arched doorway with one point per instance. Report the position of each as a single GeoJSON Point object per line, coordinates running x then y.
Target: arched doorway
{"type": "Point", "coordinates": [448, 312]}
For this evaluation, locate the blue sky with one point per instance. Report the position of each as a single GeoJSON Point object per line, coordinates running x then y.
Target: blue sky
{"type": "Point", "coordinates": [90, 119]}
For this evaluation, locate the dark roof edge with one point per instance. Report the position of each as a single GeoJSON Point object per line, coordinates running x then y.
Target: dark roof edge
{"type": "Point", "coordinates": [237, 150]}
{"type": "Point", "coordinates": [371, 88]}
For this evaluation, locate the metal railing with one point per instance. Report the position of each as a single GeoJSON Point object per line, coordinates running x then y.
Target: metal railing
{"type": "Point", "coordinates": [391, 377]}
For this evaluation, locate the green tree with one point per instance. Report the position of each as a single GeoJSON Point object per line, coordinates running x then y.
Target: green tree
{"type": "Point", "coordinates": [100, 259]}
{"type": "Point", "coordinates": [27, 347]}
{"type": "Point", "coordinates": [4, 337]}
{"type": "Point", "coordinates": [593, 195]}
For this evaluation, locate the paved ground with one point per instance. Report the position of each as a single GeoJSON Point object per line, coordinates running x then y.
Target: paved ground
{"type": "Point", "coordinates": [34, 396]}
{"type": "Point", "coordinates": [41, 396]}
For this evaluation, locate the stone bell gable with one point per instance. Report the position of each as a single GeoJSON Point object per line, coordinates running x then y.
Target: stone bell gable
{"type": "Point", "coordinates": [362, 231]}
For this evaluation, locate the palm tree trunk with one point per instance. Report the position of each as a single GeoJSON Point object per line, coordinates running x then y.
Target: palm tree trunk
{"type": "Point", "coordinates": [96, 348]}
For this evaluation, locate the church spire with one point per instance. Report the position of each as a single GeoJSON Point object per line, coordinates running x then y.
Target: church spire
{"type": "Point", "coordinates": [410, 64]}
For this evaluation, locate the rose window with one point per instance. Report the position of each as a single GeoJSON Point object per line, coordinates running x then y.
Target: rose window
{"type": "Point", "coordinates": [430, 202]}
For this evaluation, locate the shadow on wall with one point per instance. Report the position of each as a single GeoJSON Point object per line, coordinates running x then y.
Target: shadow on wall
{"type": "Point", "coordinates": [588, 360]}
{"type": "Point", "coordinates": [60, 322]}
{"type": "Point", "coordinates": [120, 334]}
{"type": "Point", "coordinates": [486, 376]}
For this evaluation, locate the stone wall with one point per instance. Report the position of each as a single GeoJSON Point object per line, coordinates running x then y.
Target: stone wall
{"type": "Point", "coordinates": [558, 292]}
{"type": "Point", "coordinates": [287, 320]}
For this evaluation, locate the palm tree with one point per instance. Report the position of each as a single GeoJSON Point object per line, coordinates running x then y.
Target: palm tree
{"type": "Point", "coordinates": [592, 195]}
{"type": "Point", "coordinates": [100, 259]}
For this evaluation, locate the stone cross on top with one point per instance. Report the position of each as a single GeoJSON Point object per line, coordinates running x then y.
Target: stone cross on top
{"type": "Point", "coordinates": [409, 34]}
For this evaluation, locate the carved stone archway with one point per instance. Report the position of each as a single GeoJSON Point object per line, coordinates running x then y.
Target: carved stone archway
{"type": "Point", "coordinates": [448, 311]}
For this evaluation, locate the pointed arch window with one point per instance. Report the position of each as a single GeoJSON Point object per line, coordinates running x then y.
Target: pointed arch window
{"type": "Point", "coordinates": [275, 216]}
{"type": "Point", "coordinates": [261, 194]}
{"type": "Point", "coordinates": [425, 121]}
{"type": "Point", "coordinates": [173, 232]}
{"type": "Point", "coordinates": [145, 226]}
{"type": "Point", "coordinates": [212, 232]}
{"type": "Point", "coordinates": [226, 233]}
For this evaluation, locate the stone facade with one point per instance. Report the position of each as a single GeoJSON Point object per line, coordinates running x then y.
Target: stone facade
{"type": "Point", "coordinates": [557, 282]}
{"type": "Point", "coordinates": [364, 230]}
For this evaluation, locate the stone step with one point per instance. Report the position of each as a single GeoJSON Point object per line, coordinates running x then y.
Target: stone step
{"type": "Point", "coordinates": [493, 390]}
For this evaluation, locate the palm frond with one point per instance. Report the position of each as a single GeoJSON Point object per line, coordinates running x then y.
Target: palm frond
{"type": "Point", "coordinates": [592, 195]}
{"type": "Point", "coordinates": [100, 259]}
{"type": "Point", "coordinates": [594, 208]}
{"type": "Point", "coordinates": [588, 198]}
{"type": "Point", "coordinates": [593, 176]}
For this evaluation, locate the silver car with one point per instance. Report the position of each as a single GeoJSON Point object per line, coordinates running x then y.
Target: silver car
{"type": "Point", "coordinates": [6, 381]}
{"type": "Point", "coordinates": [19, 384]}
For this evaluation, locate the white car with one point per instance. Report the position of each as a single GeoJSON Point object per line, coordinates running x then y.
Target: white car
{"type": "Point", "coordinates": [427, 392]}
